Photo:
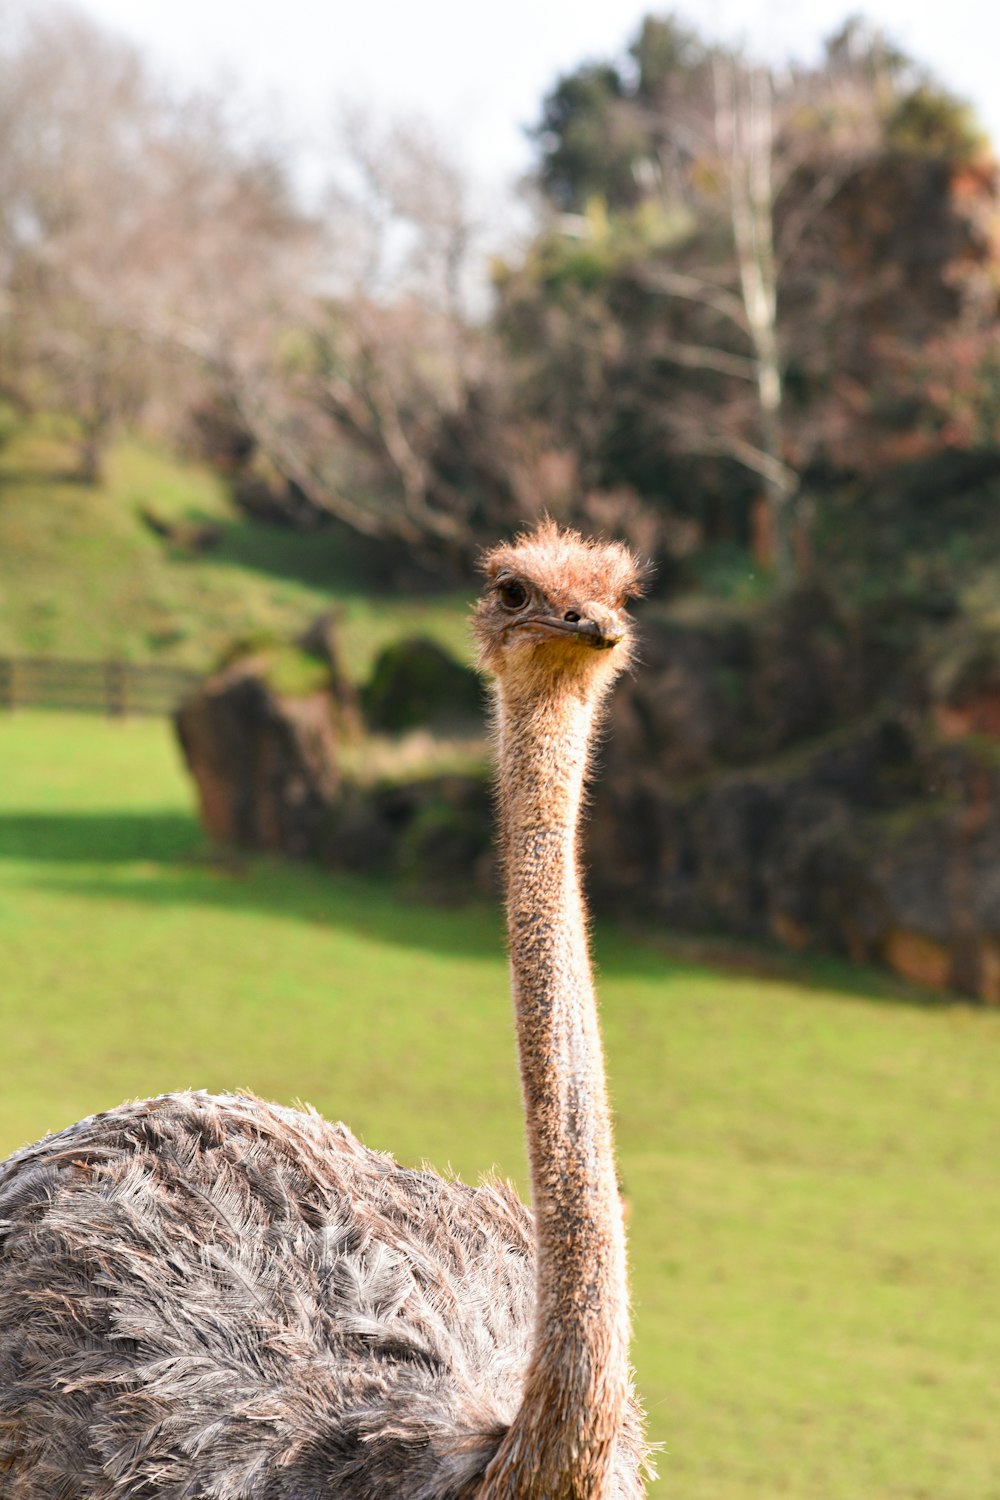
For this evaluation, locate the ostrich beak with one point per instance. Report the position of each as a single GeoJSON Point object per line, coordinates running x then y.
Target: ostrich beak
{"type": "Point", "coordinates": [592, 625]}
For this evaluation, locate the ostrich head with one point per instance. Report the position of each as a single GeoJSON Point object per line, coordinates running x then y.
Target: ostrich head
{"type": "Point", "coordinates": [555, 608]}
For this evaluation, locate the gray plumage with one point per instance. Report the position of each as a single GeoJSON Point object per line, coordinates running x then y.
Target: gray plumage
{"type": "Point", "coordinates": [216, 1297]}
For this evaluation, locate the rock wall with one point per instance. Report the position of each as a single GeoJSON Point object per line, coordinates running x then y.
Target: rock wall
{"type": "Point", "coordinates": [265, 767]}
{"type": "Point", "coordinates": [816, 780]}
{"type": "Point", "coordinates": [828, 781]}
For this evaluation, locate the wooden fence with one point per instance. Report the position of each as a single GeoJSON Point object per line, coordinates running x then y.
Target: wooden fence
{"type": "Point", "coordinates": [116, 688]}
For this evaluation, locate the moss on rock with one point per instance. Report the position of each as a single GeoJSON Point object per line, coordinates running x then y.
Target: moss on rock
{"type": "Point", "coordinates": [415, 683]}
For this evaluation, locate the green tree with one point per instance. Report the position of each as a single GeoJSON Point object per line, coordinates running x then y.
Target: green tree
{"type": "Point", "coordinates": [755, 293]}
{"type": "Point", "coordinates": [589, 144]}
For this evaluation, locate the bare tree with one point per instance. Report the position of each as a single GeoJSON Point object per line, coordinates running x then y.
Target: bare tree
{"type": "Point", "coordinates": [133, 228]}
{"type": "Point", "coordinates": [766, 175]}
{"type": "Point", "coordinates": [75, 111]}
{"type": "Point", "coordinates": [150, 245]}
{"type": "Point", "coordinates": [390, 371]}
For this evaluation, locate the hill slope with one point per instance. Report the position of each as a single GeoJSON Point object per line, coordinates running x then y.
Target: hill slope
{"type": "Point", "coordinates": [81, 575]}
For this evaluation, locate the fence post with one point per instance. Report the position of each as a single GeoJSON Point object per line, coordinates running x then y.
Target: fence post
{"type": "Point", "coordinates": [116, 688]}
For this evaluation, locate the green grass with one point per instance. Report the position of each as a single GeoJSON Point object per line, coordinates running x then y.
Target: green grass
{"type": "Point", "coordinates": [82, 576]}
{"type": "Point", "coordinates": [813, 1163]}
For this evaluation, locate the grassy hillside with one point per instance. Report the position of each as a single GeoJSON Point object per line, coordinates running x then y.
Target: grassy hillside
{"type": "Point", "coordinates": [82, 576]}
{"type": "Point", "coordinates": [813, 1166]}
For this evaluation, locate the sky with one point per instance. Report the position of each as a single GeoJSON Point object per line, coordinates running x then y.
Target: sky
{"type": "Point", "coordinates": [477, 72]}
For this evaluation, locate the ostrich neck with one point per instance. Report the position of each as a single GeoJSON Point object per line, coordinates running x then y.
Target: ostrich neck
{"type": "Point", "coordinates": [561, 1443]}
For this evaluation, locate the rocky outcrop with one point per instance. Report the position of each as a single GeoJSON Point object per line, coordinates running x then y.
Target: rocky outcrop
{"type": "Point", "coordinates": [834, 785]}
{"type": "Point", "coordinates": [826, 781]}
{"type": "Point", "coordinates": [265, 767]}
{"type": "Point", "coordinates": [435, 831]}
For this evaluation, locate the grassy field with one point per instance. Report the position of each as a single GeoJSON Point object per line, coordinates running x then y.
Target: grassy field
{"type": "Point", "coordinates": [813, 1165]}
{"type": "Point", "coordinates": [82, 576]}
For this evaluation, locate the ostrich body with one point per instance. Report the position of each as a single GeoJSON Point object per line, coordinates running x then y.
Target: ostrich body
{"type": "Point", "coordinates": [216, 1297]}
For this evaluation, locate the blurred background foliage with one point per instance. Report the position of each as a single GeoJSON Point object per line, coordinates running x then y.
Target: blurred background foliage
{"type": "Point", "coordinates": [742, 289]}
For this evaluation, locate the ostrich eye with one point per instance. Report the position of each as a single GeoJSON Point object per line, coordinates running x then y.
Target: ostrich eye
{"type": "Point", "coordinates": [512, 594]}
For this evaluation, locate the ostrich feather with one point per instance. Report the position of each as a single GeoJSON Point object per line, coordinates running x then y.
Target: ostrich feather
{"type": "Point", "coordinates": [216, 1297]}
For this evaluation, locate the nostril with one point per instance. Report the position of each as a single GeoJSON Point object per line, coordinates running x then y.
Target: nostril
{"type": "Point", "coordinates": [572, 616]}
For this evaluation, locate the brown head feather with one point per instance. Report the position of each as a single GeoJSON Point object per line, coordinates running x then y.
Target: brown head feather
{"type": "Point", "coordinates": [564, 575]}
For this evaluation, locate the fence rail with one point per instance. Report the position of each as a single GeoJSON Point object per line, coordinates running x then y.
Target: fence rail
{"type": "Point", "coordinates": [115, 688]}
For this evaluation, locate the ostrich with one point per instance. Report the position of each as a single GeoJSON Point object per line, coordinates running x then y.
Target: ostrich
{"type": "Point", "coordinates": [211, 1296]}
